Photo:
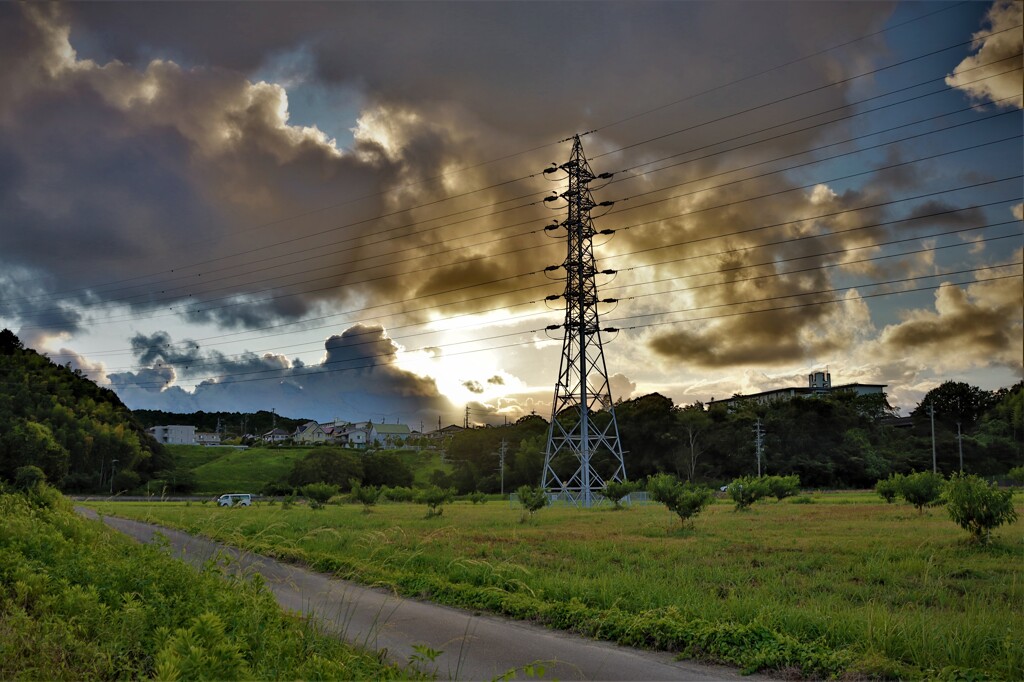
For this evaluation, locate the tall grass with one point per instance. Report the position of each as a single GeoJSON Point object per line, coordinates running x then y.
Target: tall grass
{"type": "Point", "coordinates": [853, 587]}
{"type": "Point", "coordinates": [81, 602]}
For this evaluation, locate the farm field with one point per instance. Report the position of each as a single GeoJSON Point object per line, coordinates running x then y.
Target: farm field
{"type": "Point", "coordinates": [844, 586]}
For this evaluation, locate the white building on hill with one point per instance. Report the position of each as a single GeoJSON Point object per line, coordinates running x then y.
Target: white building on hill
{"type": "Point", "coordinates": [818, 383]}
{"type": "Point", "coordinates": [175, 434]}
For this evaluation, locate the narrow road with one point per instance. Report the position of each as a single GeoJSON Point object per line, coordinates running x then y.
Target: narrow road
{"type": "Point", "coordinates": [474, 646]}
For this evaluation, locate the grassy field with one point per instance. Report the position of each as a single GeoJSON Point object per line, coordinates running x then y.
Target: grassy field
{"type": "Point", "coordinates": [221, 470]}
{"type": "Point", "coordinates": [79, 601]}
{"type": "Point", "coordinates": [844, 586]}
{"type": "Point", "coordinates": [246, 471]}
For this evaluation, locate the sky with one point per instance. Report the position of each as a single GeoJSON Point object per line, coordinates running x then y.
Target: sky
{"type": "Point", "coordinates": [336, 210]}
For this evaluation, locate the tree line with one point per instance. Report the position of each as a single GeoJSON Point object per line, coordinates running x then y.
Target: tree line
{"type": "Point", "coordinates": [839, 440]}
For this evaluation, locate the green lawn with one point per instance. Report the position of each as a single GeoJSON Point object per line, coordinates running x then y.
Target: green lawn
{"type": "Point", "coordinates": [850, 587]}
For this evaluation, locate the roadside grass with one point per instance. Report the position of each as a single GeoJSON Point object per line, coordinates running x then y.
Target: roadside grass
{"type": "Point", "coordinates": [79, 601]}
{"type": "Point", "coordinates": [845, 586]}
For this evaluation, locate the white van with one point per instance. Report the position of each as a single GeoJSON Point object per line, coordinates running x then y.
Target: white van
{"type": "Point", "coordinates": [233, 499]}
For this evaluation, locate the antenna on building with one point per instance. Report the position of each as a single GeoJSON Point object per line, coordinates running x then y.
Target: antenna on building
{"type": "Point", "coordinates": [582, 387]}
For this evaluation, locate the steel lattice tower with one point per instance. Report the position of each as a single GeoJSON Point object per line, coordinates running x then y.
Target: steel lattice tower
{"type": "Point", "coordinates": [582, 389]}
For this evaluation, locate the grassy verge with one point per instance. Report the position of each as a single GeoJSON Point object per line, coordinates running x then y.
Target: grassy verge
{"type": "Point", "coordinates": [80, 602]}
{"type": "Point", "coordinates": [825, 589]}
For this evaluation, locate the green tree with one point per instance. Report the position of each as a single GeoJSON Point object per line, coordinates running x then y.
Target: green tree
{"type": "Point", "coordinates": [435, 498]}
{"type": "Point", "coordinates": [746, 490]}
{"type": "Point", "coordinates": [327, 465]}
{"type": "Point", "coordinates": [782, 487]}
{"type": "Point", "coordinates": [366, 495]}
{"type": "Point", "coordinates": [533, 499]}
{"type": "Point", "coordinates": [319, 493]}
{"type": "Point", "coordinates": [922, 489]}
{"type": "Point", "coordinates": [889, 488]}
{"type": "Point", "coordinates": [686, 500]}
{"type": "Point", "coordinates": [385, 467]}
{"type": "Point", "coordinates": [978, 506]}
{"type": "Point", "coordinates": [616, 490]}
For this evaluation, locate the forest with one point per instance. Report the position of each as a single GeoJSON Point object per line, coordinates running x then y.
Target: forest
{"type": "Point", "coordinates": [81, 435]}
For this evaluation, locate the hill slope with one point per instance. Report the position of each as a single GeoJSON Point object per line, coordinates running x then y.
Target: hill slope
{"type": "Point", "coordinates": [75, 431]}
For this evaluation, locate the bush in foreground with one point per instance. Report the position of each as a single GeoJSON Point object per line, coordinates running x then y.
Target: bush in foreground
{"type": "Point", "coordinates": [686, 500]}
{"type": "Point", "coordinates": [978, 506]}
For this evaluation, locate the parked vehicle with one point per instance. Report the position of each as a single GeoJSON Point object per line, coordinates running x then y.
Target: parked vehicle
{"type": "Point", "coordinates": [233, 499]}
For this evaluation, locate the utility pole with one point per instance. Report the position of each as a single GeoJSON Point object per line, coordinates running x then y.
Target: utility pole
{"type": "Point", "coordinates": [931, 411]}
{"type": "Point", "coordinates": [582, 388]}
{"type": "Point", "coordinates": [466, 420]}
{"type": "Point", "coordinates": [960, 446]}
{"type": "Point", "coordinates": [501, 465]}
{"type": "Point", "coordinates": [759, 443]}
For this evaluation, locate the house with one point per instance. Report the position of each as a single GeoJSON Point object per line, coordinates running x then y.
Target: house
{"type": "Point", "coordinates": [275, 436]}
{"type": "Point", "coordinates": [818, 384]}
{"type": "Point", "coordinates": [207, 438]}
{"type": "Point", "coordinates": [175, 434]}
{"type": "Point", "coordinates": [352, 435]}
{"type": "Point", "coordinates": [446, 432]}
{"type": "Point", "coordinates": [389, 435]}
{"type": "Point", "coordinates": [309, 433]}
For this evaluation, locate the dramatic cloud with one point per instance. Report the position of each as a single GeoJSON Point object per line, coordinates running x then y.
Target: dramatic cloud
{"type": "Point", "coordinates": [998, 49]}
{"type": "Point", "coordinates": [981, 320]}
{"type": "Point", "coordinates": [361, 166]}
{"type": "Point", "coordinates": [357, 378]}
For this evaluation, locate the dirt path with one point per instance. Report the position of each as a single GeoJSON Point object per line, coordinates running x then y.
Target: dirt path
{"type": "Point", "coordinates": [474, 646]}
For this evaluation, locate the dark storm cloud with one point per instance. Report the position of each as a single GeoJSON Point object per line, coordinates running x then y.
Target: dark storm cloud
{"type": "Point", "coordinates": [473, 386]}
{"type": "Point", "coordinates": [357, 379]}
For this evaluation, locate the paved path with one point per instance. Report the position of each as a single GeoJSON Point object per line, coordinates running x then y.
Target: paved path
{"type": "Point", "coordinates": [475, 646]}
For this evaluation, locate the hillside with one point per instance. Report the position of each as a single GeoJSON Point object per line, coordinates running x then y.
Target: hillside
{"type": "Point", "coordinates": [75, 431]}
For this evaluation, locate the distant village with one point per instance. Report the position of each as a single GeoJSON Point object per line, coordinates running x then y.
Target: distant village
{"type": "Point", "coordinates": [359, 435]}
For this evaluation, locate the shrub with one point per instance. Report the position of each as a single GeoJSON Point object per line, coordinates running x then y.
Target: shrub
{"type": "Point", "coordinates": [319, 492]}
{"type": "Point", "coordinates": [922, 489]}
{"type": "Point", "coordinates": [746, 490]}
{"type": "Point", "coordinates": [366, 495]}
{"type": "Point", "coordinates": [28, 477]}
{"type": "Point", "coordinates": [1016, 475]}
{"type": "Point", "coordinates": [616, 490]}
{"type": "Point", "coordinates": [477, 497]}
{"type": "Point", "coordinates": [399, 494]}
{"type": "Point", "coordinates": [783, 486]}
{"type": "Point", "coordinates": [889, 488]}
{"type": "Point", "coordinates": [532, 498]}
{"type": "Point", "coordinates": [685, 499]}
{"type": "Point", "coordinates": [978, 506]}
{"type": "Point", "coordinates": [435, 498]}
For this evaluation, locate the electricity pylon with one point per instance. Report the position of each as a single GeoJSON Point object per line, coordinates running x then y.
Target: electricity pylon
{"type": "Point", "coordinates": [582, 389]}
